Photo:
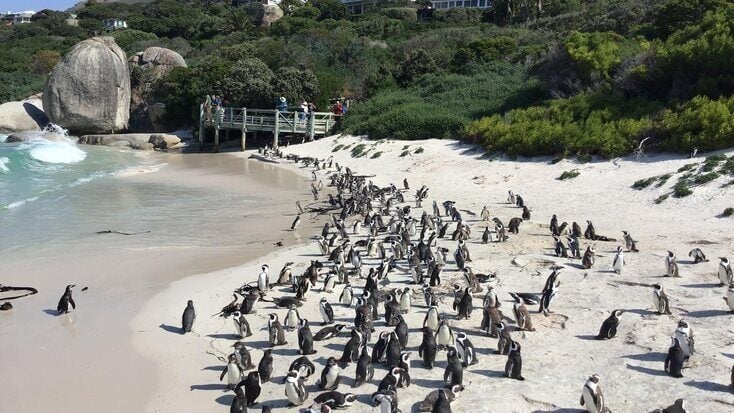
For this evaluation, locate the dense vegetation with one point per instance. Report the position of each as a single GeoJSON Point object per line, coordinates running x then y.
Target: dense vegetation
{"type": "Point", "coordinates": [526, 77]}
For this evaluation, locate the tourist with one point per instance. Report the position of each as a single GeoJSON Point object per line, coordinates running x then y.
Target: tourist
{"type": "Point", "coordinates": [345, 106]}
{"type": "Point", "coordinates": [282, 104]}
{"type": "Point", "coordinates": [208, 107]}
{"type": "Point", "coordinates": [304, 111]}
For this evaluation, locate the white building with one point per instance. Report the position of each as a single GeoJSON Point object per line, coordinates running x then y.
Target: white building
{"type": "Point", "coordinates": [114, 24]}
{"type": "Point", "coordinates": [23, 17]}
{"type": "Point", "coordinates": [450, 4]}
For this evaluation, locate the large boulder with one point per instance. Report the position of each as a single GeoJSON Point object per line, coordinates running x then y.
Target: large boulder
{"type": "Point", "coordinates": [159, 59]}
{"type": "Point", "coordinates": [272, 13]}
{"type": "Point", "coordinates": [22, 116]}
{"type": "Point", "coordinates": [89, 90]}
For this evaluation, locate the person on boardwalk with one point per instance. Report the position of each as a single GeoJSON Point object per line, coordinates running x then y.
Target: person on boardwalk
{"type": "Point", "coordinates": [282, 104]}
{"type": "Point", "coordinates": [208, 107]}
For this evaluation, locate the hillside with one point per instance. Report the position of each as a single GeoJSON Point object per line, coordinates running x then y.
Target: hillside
{"type": "Point", "coordinates": [555, 77]}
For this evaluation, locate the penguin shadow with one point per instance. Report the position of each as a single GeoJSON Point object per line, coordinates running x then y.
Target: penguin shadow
{"type": "Point", "coordinates": [474, 333]}
{"type": "Point", "coordinates": [640, 311]}
{"type": "Point", "coordinates": [650, 356]}
{"type": "Point", "coordinates": [652, 372]}
{"type": "Point", "coordinates": [210, 386]}
{"type": "Point", "coordinates": [709, 386]}
{"type": "Point", "coordinates": [166, 327]}
{"type": "Point", "coordinates": [262, 344]}
{"type": "Point", "coordinates": [489, 373]}
{"type": "Point", "coordinates": [213, 368]}
{"type": "Point", "coordinates": [54, 312]}
{"type": "Point", "coordinates": [225, 400]}
{"type": "Point", "coordinates": [701, 285]}
{"type": "Point", "coordinates": [335, 346]}
{"type": "Point", "coordinates": [225, 336]}
{"type": "Point", "coordinates": [574, 265]}
{"type": "Point", "coordinates": [427, 383]}
{"type": "Point", "coordinates": [731, 356]}
{"type": "Point", "coordinates": [588, 337]}
{"type": "Point", "coordinates": [707, 313]}
{"type": "Point", "coordinates": [560, 410]}
{"type": "Point", "coordinates": [282, 351]}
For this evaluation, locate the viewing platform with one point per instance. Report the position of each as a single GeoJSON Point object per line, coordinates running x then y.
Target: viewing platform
{"type": "Point", "coordinates": [264, 120]}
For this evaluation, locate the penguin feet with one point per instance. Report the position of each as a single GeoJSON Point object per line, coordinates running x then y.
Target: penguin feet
{"type": "Point", "coordinates": [521, 378]}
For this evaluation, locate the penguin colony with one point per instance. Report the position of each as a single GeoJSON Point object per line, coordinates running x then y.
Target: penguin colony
{"type": "Point", "coordinates": [391, 260]}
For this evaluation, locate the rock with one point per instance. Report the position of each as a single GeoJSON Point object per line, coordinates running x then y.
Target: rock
{"type": "Point", "coordinates": [131, 139]}
{"type": "Point", "coordinates": [160, 56]}
{"type": "Point", "coordinates": [22, 116]}
{"type": "Point", "coordinates": [272, 13]}
{"type": "Point", "coordinates": [164, 141]}
{"type": "Point", "coordinates": [89, 89]}
{"type": "Point", "coordinates": [35, 136]}
{"type": "Point", "coordinates": [120, 144]}
{"type": "Point", "coordinates": [146, 116]}
{"type": "Point", "coordinates": [145, 146]}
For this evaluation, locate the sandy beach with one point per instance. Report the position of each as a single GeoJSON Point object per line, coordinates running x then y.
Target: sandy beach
{"type": "Point", "coordinates": [561, 354]}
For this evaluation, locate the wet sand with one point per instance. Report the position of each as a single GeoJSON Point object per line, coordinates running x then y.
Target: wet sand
{"type": "Point", "coordinates": [83, 361]}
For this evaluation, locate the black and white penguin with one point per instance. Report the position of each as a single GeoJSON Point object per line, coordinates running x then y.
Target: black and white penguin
{"type": "Point", "coordinates": [303, 367]}
{"type": "Point", "coordinates": [305, 338]}
{"type": "Point", "coordinates": [429, 402]}
{"type": "Point", "coordinates": [671, 265]}
{"type": "Point", "coordinates": [618, 262]}
{"type": "Point", "coordinates": [335, 400]}
{"type": "Point", "coordinates": [66, 300]}
{"type": "Point", "coordinates": [248, 302]}
{"type": "Point", "coordinates": [241, 326]}
{"type": "Point", "coordinates": [380, 348]}
{"type": "Point", "coordinates": [465, 349]}
{"type": "Point", "coordinates": [454, 373]}
{"type": "Point", "coordinates": [729, 297]}
{"type": "Point", "coordinates": [253, 387]}
{"type": "Point", "coordinates": [684, 334]}
{"type": "Point", "coordinates": [330, 282]}
{"type": "Point", "coordinates": [239, 403]}
{"type": "Point", "coordinates": [675, 359]}
{"type": "Point", "coordinates": [465, 306]}
{"type": "Point", "coordinates": [406, 301]}
{"type": "Point", "coordinates": [442, 404]}
{"type": "Point", "coordinates": [726, 277]}
{"type": "Point", "coordinates": [549, 295]}
{"type": "Point", "coordinates": [393, 351]}
{"type": "Point", "coordinates": [428, 295]}
{"type": "Point", "coordinates": [265, 366]}
{"type": "Point", "coordinates": [346, 296]}
{"type": "Point", "coordinates": [263, 279]}
{"type": "Point", "coordinates": [428, 348]}
{"type": "Point", "coordinates": [444, 335]}
{"type": "Point", "coordinates": [351, 349]}
{"type": "Point", "coordinates": [243, 356]}
{"type": "Point", "coordinates": [392, 310]}
{"type": "Point", "coordinates": [630, 243]}
{"type": "Point", "coordinates": [609, 326]}
{"type": "Point", "coordinates": [233, 372]}
{"type": "Point", "coordinates": [329, 332]}
{"type": "Point", "coordinates": [292, 318]}
{"type": "Point", "coordinates": [660, 299]}
{"type": "Point", "coordinates": [513, 367]}
{"type": "Point", "coordinates": [592, 398]}
{"type": "Point", "coordinates": [391, 380]}
{"type": "Point", "coordinates": [187, 319]}
{"type": "Point", "coordinates": [330, 375]}
{"type": "Point", "coordinates": [587, 261]}
{"type": "Point", "coordinates": [365, 371]}
{"type": "Point", "coordinates": [276, 334]}
{"type": "Point", "coordinates": [296, 223]}
{"type": "Point", "coordinates": [560, 247]}
{"type": "Point", "coordinates": [327, 313]}
{"type": "Point", "coordinates": [504, 340]}
{"type": "Point", "coordinates": [522, 315]}
{"type": "Point", "coordinates": [514, 225]}
{"type": "Point", "coordinates": [697, 255]}
{"type": "Point", "coordinates": [387, 401]}
{"type": "Point", "coordinates": [295, 391]}
{"type": "Point", "coordinates": [285, 276]}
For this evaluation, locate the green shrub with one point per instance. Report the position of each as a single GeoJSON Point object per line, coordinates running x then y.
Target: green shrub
{"type": "Point", "coordinates": [337, 148]}
{"type": "Point", "coordinates": [569, 174]}
{"type": "Point", "coordinates": [358, 150]}
{"type": "Point", "coordinates": [728, 166]}
{"type": "Point", "coordinates": [687, 167]}
{"type": "Point", "coordinates": [419, 150]}
{"type": "Point", "coordinates": [661, 198]}
{"type": "Point", "coordinates": [407, 14]}
{"type": "Point", "coordinates": [701, 179]}
{"type": "Point", "coordinates": [643, 183]}
{"type": "Point", "coordinates": [681, 189]}
{"type": "Point", "coordinates": [404, 153]}
{"type": "Point", "coordinates": [376, 155]}
{"type": "Point", "coordinates": [662, 179]}
{"type": "Point", "coordinates": [128, 38]}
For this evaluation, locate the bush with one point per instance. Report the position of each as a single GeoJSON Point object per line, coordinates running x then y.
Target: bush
{"type": "Point", "coordinates": [643, 183]}
{"type": "Point", "coordinates": [681, 189]}
{"type": "Point", "coordinates": [407, 14]}
{"type": "Point", "coordinates": [127, 38]}
{"type": "Point", "coordinates": [376, 155]}
{"type": "Point", "coordinates": [358, 150]}
{"type": "Point", "coordinates": [569, 174]}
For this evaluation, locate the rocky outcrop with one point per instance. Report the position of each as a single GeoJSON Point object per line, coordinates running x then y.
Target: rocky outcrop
{"type": "Point", "coordinates": [142, 141]}
{"type": "Point", "coordinates": [22, 116]}
{"type": "Point", "coordinates": [35, 136]}
{"type": "Point", "coordinates": [89, 90]}
{"type": "Point", "coordinates": [272, 13]}
{"type": "Point", "coordinates": [155, 62]}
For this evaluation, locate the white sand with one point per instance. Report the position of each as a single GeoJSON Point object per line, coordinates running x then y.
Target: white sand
{"type": "Point", "coordinates": [560, 355]}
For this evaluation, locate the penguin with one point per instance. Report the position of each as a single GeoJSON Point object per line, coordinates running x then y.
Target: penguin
{"type": "Point", "coordinates": [242, 327]}
{"type": "Point", "coordinates": [454, 373]}
{"type": "Point", "coordinates": [428, 348]}
{"type": "Point", "coordinates": [442, 404]}
{"type": "Point", "coordinates": [671, 265]}
{"type": "Point", "coordinates": [629, 242]}
{"type": "Point", "coordinates": [609, 326]}
{"type": "Point", "coordinates": [330, 282]}
{"type": "Point", "coordinates": [392, 310]}
{"type": "Point", "coordinates": [697, 255]}
{"type": "Point", "coordinates": [295, 391]}
{"type": "Point", "coordinates": [379, 349]}
{"type": "Point", "coordinates": [365, 371]}
{"type": "Point", "coordinates": [513, 367]}
{"type": "Point", "coordinates": [464, 306]}
{"type": "Point", "coordinates": [351, 349]}
{"type": "Point", "coordinates": [485, 213]}
{"type": "Point", "coordinates": [305, 338]}
{"type": "Point", "coordinates": [330, 375]}
{"type": "Point", "coordinates": [187, 320]}
{"type": "Point", "coordinates": [387, 401]}
{"type": "Point", "coordinates": [560, 247]}
{"type": "Point", "coordinates": [592, 397]}
{"type": "Point", "coordinates": [327, 313]}
{"type": "Point", "coordinates": [618, 262]}
{"type": "Point", "coordinates": [405, 301]}
{"type": "Point", "coordinates": [514, 225]}
{"type": "Point", "coordinates": [504, 340]}
{"type": "Point", "coordinates": [252, 388]}
{"type": "Point", "coordinates": [684, 334]}
{"type": "Point", "coordinates": [554, 225]}
{"type": "Point", "coordinates": [292, 318]}
{"type": "Point", "coordinates": [276, 333]}
{"type": "Point", "coordinates": [263, 280]}
{"type": "Point", "coordinates": [547, 298]}
{"type": "Point", "coordinates": [296, 223]}
{"type": "Point", "coordinates": [465, 349]}
{"type": "Point", "coordinates": [303, 366]}
{"type": "Point", "coordinates": [334, 400]}
{"type": "Point", "coordinates": [401, 331]}
{"type": "Point", "coordinates": [66, 300]}
{"type": "Point", "coordinates": [285, 277]}
{"type": "Point", "coordinates": [404, 364]}
{"type": "Point", "coordinates": [329, 332]}
{"type": "Point", "coordinates": [391, 380]}
{"type": "Point", "coordinates": [346, 296]}
{"type": "Point", "coordinates": [265, 366]}
{"type": "Point", "coordinates": [243, 356]}
{"type": "Point", "coordinates": [444, 334]}
{"type": "Point", "coordinates": [675, 359]}
{"type": "Point", "coordinates": [486, 236]}
{"type": "Point", "coordinates": [393, 351]}
{"type": "Point", "coordinates": [511, 199]}
{"type": "Point", "coordinates": [239, 403]}
{"type": "Point", "coordinates": [573, 245]}
{"type": "Point", "coordinates": [589, 257]}
{"type": "Point", "coordinates": [522, 315]}
{"type": "Point", "coordinates": [729, 297]}
{"type": "Point", "coordinates": [725, 272]}
{"type": "Point", "coordinates": [491, 317]}
{"type": "Point", "coordinates": [430, 401]}
{"type": "Point", "coordinates": [525, 213]}
{"type": "Point", "coordinates": [232, 371]}
{"type": "Point", "coordinates": [429, 296]}
{"type": "Point", "coordinates": [660, 299]}
{"type": "Point", "coordinates": [248, 302]}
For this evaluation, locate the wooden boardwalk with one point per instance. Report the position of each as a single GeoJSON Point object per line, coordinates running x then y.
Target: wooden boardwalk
{"type": "Point", "coordinates": [262, 120]}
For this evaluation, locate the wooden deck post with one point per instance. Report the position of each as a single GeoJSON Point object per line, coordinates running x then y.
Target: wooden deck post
{"type": "Point", "coordinates": [244, 129]}
{"type": "Point", "coordinates": [201, 128]}
{"type": "Point", "coordinates": [276, 129]}
{"type": "Point", "coordinates": [216, 139]}
{"type": "Point", "coordinates": [311, 126]}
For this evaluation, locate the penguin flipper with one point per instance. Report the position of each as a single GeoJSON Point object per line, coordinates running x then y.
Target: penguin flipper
{"type": "Point", "coordinates": [73, 304]}
{"type": "Point", "coordinates": [224, 371]}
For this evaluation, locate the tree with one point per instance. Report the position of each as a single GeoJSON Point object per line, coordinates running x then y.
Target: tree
{"type": "Point", "coordinates": [248, 84]}
{"type": "Point", "coordinates": [415, 63]}
{"type": "Point", "coordinates": [295, 84]}
{"type": "Point", "coordinates": [45, 60]}
{"type": "Point", "coordinates": [330, 9]}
